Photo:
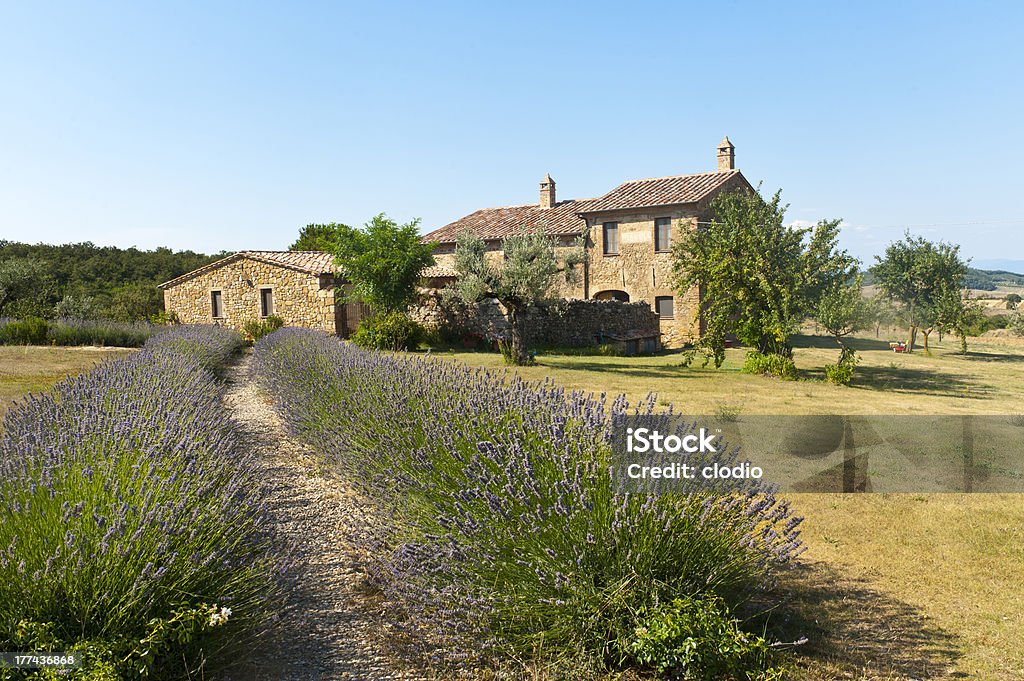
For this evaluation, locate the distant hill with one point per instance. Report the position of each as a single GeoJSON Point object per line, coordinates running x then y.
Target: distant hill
{"type": "Point", "coordinates": [990, 280]}
{"type": "Point", "coordinates": [120, 282]}
{"type": "Point", "coordinates": [1000, 265]}
{"type": "Point", "coordinates": [982, 280]}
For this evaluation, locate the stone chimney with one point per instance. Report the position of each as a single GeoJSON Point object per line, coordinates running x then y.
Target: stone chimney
{"type": "Point", "coordinates": [547, 192]}
{"type": "Point", "coordinates": [726, 156]}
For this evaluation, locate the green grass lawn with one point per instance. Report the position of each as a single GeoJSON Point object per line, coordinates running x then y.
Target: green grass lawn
{"type": "Point", "coordinates": [988, 380]}
{"type": "Point", "coordinates": [36, 368]}
{"type": "Point", "coordinates": [892, 586]}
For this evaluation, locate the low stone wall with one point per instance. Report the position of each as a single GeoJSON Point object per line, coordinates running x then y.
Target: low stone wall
{"type": "Point", "coordinates": [563, 323]}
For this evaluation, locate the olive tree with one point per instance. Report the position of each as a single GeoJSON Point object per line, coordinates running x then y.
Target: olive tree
{"type": "Point", "coordinates": [527, 275]}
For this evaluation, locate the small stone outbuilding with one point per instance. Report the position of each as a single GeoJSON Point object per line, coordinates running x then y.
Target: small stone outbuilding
{"type": "Point", "coordinates": [298, 286]}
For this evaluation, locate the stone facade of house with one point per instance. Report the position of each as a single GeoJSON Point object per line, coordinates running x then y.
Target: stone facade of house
{"type": "Point", "coordinates": [642, 220]}
{"type": "Point", "coordinates": [299, 287]}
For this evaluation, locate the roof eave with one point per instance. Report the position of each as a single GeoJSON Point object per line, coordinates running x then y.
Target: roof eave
{"type": "Point", "coordinates": [642, 207]}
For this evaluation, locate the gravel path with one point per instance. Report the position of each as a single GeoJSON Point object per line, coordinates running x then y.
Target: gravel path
{"type": "Point", "coordinates": [330, 627]}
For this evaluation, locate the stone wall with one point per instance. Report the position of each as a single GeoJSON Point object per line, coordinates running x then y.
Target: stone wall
{"type": "Point", "coordinates": [299, 298]}
{"type": "Point", "coordinates": [562, 323]}
{"type": "Point", "coordinates": [641, 272]}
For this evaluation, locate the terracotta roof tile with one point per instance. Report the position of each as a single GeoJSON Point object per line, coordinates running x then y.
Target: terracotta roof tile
{"type": "Point", "coordinates": [661, 191]}
{"type": "Point", "coordinates": [497, 223]}
{"type": "Point", "coordinates": [312, 262]}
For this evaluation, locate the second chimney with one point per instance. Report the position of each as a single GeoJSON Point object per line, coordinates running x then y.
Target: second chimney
{"type": "Point", "coordinates": [547, 192]}
{"type": "Point", "coordinates": [726, 155]}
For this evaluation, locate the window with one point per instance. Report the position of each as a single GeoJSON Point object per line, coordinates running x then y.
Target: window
{"type": "Point", "coordinates": [662, 234]}
{"type": "Point", "coordinates": [216, 304]}
{"type": "Point", "coordinates": [665, 307]}
{"type": "Point", "coordinates": [611, 238]}
{"type": "Point", "coordinates": [266, 302]}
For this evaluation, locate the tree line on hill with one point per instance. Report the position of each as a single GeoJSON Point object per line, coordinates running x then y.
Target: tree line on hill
{"type": "Point", "coordinates": [978, 280]}
{"type": "Point", "coordinates": [86, 281]}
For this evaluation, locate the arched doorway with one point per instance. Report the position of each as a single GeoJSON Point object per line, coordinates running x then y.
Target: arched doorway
{"type": "Point", "coordinates": [621, 296]}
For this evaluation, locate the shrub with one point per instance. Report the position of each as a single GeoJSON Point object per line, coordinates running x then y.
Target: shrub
{"type": "Point", "coordinates": [164, 318]}
{"type": "Point", "coordinates": [842, 373]}
{"type": "Point", "coordinates": [76, 307]}
{"type": "Point", "coordinates": [493, 521]}
{"type": "Point", "coordinates": [698, 640]}
{"type": "Point", "coordinates": [258, 328]}
{"type": "Point", "coordinates": [27, 331]}
{"type": "Point", "coordinates": [985, 323]}
{"type": "Point", "coordinates": [388, 331]}
{"type": "Point", "coordinates": [133, 524]}
{"type": "Point", "coordinates": [769, 365]}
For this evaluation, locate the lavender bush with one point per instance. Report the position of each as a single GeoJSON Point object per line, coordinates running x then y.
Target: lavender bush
{"type": "Point", "coordinates": [502, 531]}
{"type": "Point", "coordinates": [132, 526]}
{"type": "Point", "coordinates": [208, 345]}
{"type": "Point", "coordinates": [67, 331]}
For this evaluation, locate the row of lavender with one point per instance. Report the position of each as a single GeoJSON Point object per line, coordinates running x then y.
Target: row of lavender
{"type": "Point", "coordinates": [492, 522]}
{"type": "Point", "coordinates": [132, 527]}
{"type": "Point", "coordinates": [70, 332]}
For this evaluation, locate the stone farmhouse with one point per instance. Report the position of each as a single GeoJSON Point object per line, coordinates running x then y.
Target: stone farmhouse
{"type": "Point", "coordinates": [628, 234]}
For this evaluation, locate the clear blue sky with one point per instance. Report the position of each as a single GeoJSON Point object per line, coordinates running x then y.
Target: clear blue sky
{"type": "Point", "coordinates": [215, 126]}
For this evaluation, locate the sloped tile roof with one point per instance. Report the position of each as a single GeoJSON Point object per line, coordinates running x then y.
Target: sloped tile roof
{"type": "Point", "coordinates": [497, 223]}
{"type": "Point", "coordinates": [661, 191]}
{"type": "Point", "coordinates": [311, 262]}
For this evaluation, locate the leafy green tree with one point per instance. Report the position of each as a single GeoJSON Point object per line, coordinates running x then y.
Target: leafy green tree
{"type": "Point", "coordinates": [922, 278]}
{"type": "Point", "coordinates": [842, 310]}
{"type": "Point", "coordinates": [527, 276]}
{"type": "Point", "coordinates": [882, 312]}
{"type": "Point", "coordinates": [317, 237]}
{"type": "Point", "coordinates": [383, 261]}
{"type": "Point", "coordinates": [27, 288]}
{"type": "Point", "coordinates": [957, 314]}
{"type": "Point", "coordinates": [135, 302]}
{"type": "Point", "coordinates": [758, 279]}
{"type": "Point", "coordinates": [1012, 301]}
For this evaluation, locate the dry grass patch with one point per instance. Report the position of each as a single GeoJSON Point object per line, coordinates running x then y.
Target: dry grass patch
{"type": "Point", "coordinates": [32, 368]}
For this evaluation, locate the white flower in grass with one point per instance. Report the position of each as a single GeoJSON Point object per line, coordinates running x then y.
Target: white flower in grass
{"type": "Point", "coordinates": [219, 617]}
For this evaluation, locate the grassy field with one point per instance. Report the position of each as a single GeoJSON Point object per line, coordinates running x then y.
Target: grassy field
{"type": "Point", "coordinates": [34, 369]}
{"type": "Point", "coordinates": [892, 586]}
{"type": "Point", "coordinates": [988, 380]}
